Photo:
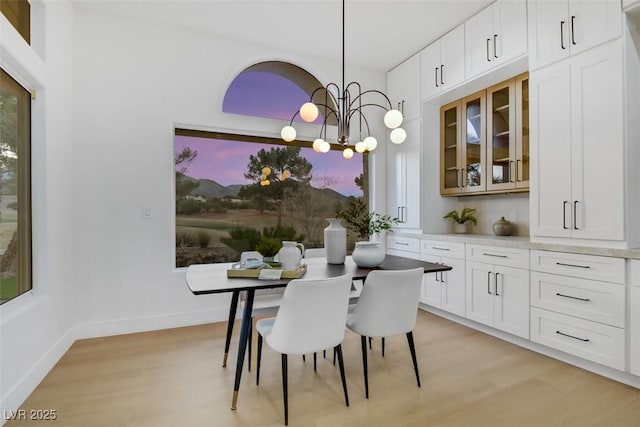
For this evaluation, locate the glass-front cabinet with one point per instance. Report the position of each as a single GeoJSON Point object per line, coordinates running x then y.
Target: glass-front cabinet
{"type": "Point", "coordinates": [485, 140]}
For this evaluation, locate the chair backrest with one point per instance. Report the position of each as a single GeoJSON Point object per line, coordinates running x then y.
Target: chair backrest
{"type": "Point", "coordinates": [388, 303]}
{"type": "Point", "coordinates": [314, 253]}
{"type": "Point", "coordinates": [312, 315]}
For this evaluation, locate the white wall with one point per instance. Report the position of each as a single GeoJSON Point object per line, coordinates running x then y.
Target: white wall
{"type": "Point", "coordinates": [38, 327]}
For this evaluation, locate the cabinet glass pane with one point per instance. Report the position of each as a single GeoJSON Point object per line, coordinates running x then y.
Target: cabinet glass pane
{"type": "Point", "coordinates": [524, 171]}
{"type": "Point", "coordinates": [450, 148]}
{"type": "Point", "coordinates": [500, 169]}
{"type": "Point", "coordinates": [473, 141]}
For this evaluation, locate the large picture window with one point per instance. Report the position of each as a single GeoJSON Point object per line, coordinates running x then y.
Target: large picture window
{"type": "Point", "coordinates": [237, 192]}
{"type": "Point", "coordinates": [15, 188]}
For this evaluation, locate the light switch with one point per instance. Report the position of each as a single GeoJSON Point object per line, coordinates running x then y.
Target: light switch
{"type": "Point", "coordinates": [146, 212]}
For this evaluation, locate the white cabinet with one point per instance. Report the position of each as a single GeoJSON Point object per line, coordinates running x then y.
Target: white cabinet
{"type": "Point", "coordinates": [577, 149]}
{"type": "Point", "coordinates": [403, 87]}
{"type": "Point", "coordinates": [579, 305]}
{"type": "Point", "coordinates": [444, 290]}
{"type": "Point", "coordinates": [558, 29]}
{"type": "Point", "coordinates": [495, 36]}
{"type": "Point", "coordinates": [404, 177]}
{"type": "Point", "coordinates": [497, 294]}
{"type": "Point", "coordinates": [634, 318]}
{"type": "Point", "coordinates": [408, 247]}
{"type": "Point", "coordinates": [442, 63]}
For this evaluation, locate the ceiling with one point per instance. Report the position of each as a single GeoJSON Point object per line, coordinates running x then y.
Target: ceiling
{"type": "Point", "coordinates": [379, 34]}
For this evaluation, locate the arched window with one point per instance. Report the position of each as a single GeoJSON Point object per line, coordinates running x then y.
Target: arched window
{"type": "Point", "coordinates": [271, 89]}
{"type": "Point", "coordinates": [236, 192]}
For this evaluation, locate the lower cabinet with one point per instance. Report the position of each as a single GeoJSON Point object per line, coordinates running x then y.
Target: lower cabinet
{"type": "Point", "coordinates": [593, 341]}
{"type": "Point", "coordinates": [445, 290]}
{"type": "Point", "coordinates": [634, 316]}
{"type": "Point", "coordinates": [498, 296]}
{"type": "Point", "coordinates": [579, 305]}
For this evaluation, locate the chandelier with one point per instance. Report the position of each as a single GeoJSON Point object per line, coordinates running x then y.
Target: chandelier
{"type": "Point", "coordinates": [345, 103]}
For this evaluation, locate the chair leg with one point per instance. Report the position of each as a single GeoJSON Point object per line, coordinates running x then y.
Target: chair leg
{"type": "Point", "coordinates": [338, 350]}
{"type": "Point", "coordinates": [324, 354]}
{"type": "Point", "coordinates": [249, 345]}
{"type": "Point", "coordinates": [382, 346]}
{"type": "Point", "coordinates": [412, 348]}
{"type": "Point", "coordinates": [370, 343]}
{"type": "Point", "coordinates": [285, 389]}
{"type": "Point", "coordinates": [259, 359]}
{"type": "Point", "coordinates": [315, 362]}
{"type": "Point", "coordinates": [232, 318]}
{"type": "Point", "coordinates": [334, 357]}
{"type": "Point", "coordinates": [304, 359]}
{"type": "Point", "coordinates": [363, 340]}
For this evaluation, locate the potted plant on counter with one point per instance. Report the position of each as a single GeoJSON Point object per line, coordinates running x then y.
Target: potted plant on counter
{"type": "Point", "coordinates": [460, 220]}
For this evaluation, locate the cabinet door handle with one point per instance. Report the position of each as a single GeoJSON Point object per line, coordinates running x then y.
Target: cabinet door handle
{"type": "Point", "coordinates": [489, 283]}
{"type": "Point", "coordinates": [572, 265]}
{"type": "Point", "coordinates": [437, 77]}
{"type": "Point", "coordinates": [440, 249]}
{"type": "Point", "coordinates": [564, 215]}
{"type": "Point", "coordinates": [518, 170]}
{"type": "Point", "coordinates": [488, 57]}
{"type": "Point", "coordinates": [575, 216]}
{"type": "Point", "coordinates": [495, 50]}
{"type": "Point", "coordinates": [402, 109]}
{"type": "Point", "coordinates": [569, 296]}
{"type": "Point", "coordinates": [496, 282]}
{"type": "Point", "coordinates": [573, 36]}
{"type": "Point", "coordinates": [404, 214]}
{"type": "Point", "coordinates": [494, 255]}
{"type": "Point", "coordinates": [442, 74]}
{"type": "Point", "coordinates": [571, 336]}
{"type": "Point", "coordinates": [562, 35]}
{"type": "Point", "coordinates": [510, 174]}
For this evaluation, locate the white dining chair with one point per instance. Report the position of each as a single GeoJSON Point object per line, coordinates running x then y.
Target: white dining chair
{"type": "Point", "coordinates": [388, 306]}
{"type": "Point", "coordinates": [311, 317]}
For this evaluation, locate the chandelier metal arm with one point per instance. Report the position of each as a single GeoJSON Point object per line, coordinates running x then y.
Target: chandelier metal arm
{"type": "Point", "coordinates": [361, 94]}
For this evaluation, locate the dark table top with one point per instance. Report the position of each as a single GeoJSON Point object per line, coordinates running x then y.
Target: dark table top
{"type": "Point", "coordinates": [212, 278]}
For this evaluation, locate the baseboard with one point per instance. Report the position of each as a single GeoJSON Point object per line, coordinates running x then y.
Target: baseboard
{"type": "Point", "coordinates": [614, 374]}
{"type": "Point", "coordinates": [150, 323]}
{"type": "Point", "coordinates": [16, 396]}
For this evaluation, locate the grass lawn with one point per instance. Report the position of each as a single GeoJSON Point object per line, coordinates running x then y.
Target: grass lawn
{"type": "Point", "coordinates": [8, 288]}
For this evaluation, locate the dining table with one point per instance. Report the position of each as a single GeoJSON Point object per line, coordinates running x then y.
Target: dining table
{"type": "Point", "coordinates": [212, 279]}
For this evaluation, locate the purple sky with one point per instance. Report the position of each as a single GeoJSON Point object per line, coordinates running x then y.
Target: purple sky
{"type": "Point", "coordinates": [226, 162]}
{"type": "Point", "coordinates": [264, 94]}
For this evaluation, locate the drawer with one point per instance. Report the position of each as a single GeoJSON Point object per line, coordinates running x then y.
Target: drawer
{"type": "Point", "coordinates": [405, 244]}
{"type": "Point", "coordinates": [438, 248]}
{"type": "Point", "coordinates": [606, 269]}
{"type": "Point", "coordinates": [597, 301]}
{"type": "Point", "coordinates": [509, 257]}
{"type": "Point", "coordinates": [589, 340]}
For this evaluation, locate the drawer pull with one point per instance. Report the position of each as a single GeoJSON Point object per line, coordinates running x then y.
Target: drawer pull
{"type": "Point", "coordinates": [572, 265]}
{"type": "Point", "coordinates": [493, 255]}
{"type": "Point", "coordinates": [569, 296]}
{"type": "Point", "coordinates": [571, 336]}
{"type": "Point", "coordinates": [402, 244]}
{"type": "Point", "coordinates": [440, 249]}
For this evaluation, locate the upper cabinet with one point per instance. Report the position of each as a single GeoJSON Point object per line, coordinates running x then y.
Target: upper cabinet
{"type": "Point", "coordinates": [442, 63]}
{"type": "Point", "coordinates": [561, 28]}
{"type": "Point", "coordinates": [578, 145]}
{"type": "Point", "coordinates": [484, 140]}
{"type": "Point", "coordinates": [495, 36]}
{"type": "Point", "coordinates": [403, 87]}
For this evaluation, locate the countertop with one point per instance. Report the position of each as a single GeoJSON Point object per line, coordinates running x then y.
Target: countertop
{"type": "Point", "coordinates": [524, 242]}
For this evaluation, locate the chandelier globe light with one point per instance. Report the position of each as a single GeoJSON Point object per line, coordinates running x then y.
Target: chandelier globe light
{"type": "Point", "coordinates": [345, 103]}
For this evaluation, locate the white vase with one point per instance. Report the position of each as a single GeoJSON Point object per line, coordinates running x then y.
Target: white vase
{"type": "Point", "coordinates": [368, 254]}
{"type": "Point", "coordinates": [460, 228]}
{"type": "Point", "coordinates": [335, 242]}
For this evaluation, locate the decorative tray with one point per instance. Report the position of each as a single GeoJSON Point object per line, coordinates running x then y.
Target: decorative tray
{"type": "Point", "coordinates": [271, 274]}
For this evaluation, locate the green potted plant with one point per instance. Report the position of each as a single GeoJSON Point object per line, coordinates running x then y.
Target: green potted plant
{"type": "Point", "coordinates": [460, 219]}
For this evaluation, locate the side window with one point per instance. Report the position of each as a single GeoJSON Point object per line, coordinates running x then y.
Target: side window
{"type": "Point", "coordinates": [15, 188]}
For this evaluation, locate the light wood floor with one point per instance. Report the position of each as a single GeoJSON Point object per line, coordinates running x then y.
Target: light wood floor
{"type": "Point", "coordinates": [174, 378]}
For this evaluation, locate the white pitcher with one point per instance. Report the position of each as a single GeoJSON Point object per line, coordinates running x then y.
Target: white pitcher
{"type": "Point", "coordinates": [290, 255]}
